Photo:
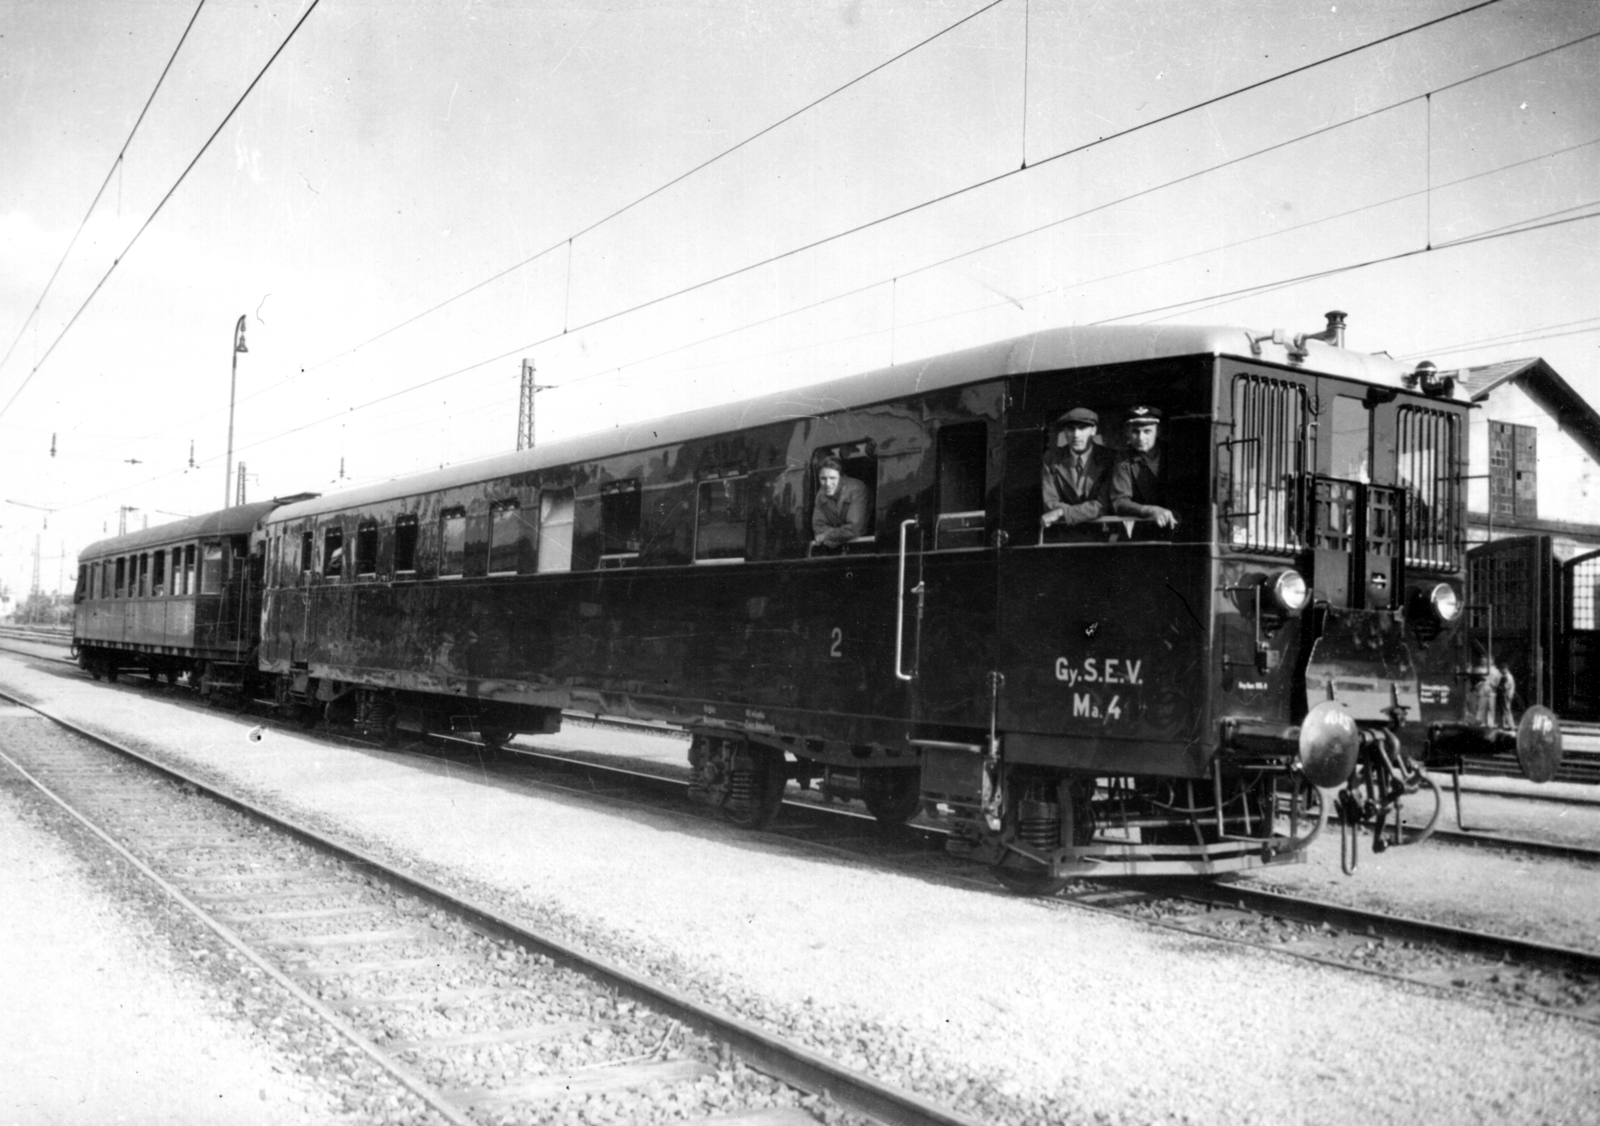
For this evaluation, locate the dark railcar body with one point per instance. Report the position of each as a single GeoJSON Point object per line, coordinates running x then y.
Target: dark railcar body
{"type": "Point", "coordinates": [665, 571]}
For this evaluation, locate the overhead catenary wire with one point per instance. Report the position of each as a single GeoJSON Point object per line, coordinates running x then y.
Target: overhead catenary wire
{"type": "Point", "coordinates": [311, 7]}
{"type": "Point", "coordinates": [116, 166]}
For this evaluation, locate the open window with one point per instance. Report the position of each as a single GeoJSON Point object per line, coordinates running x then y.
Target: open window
{"type": "Point", "coordinates": [556, 508]}
{"type": "Point", "coordinates": [722, 508]}
{"type": "Point", "coordinates": [511, 539]}
{"type": "Point", "coordinates": [860, 464]}
{"type": "Point", "coordinates": [620, 527]}
{"type": "Point", "coordinates": [405, 544]}
{"type": "Point", "coordinates": [963, 455]}
{"type": "Point", "coordinates": [367, 548]}
{"type": "Point", "coordinates": [333, 551]}
{"type": "Point", "coordinates": [144, 573]}
{"type": "Point", "coordinates": [452, 543]}
{"type": "Point", "coordinates": [158, 574]}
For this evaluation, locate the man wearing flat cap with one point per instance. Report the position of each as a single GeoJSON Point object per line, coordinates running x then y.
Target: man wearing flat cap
{"type": "Point", "coordinates": [1136, 485]}
{"type": "Point", "coordinates": [1077, 473]}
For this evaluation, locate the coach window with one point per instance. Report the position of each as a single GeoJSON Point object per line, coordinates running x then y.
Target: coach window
{"type": "Point", "coordinates": [860, 463]}
{"type": "Point", "coordinates": [144, 573]}
{"type": "Point", "coordinates": [211, 568]}
{"type": "Point", "coordinates": [405, 544]}
{"type": "Point", "coordinates": [121, 587]}
{"type": "Point", "coordinates": [367, 548]}
{"type": "Point", "coordinates": [158, 574]}
{"type": "Point", "coordinates": [511, 539]}
{"type": "Point", "coordinates": [83, 583]}
{"type": "Point", "coordinates": [452, 543]}
{"type": "Point", "coordinates": [1266, 460]}
{"type": "Point", "coordinates": [556, 507]}
{"type": "Point", "coordinates": [721, 520]}
{"type": "Point", "coordinates": [189, 584]}
{"type": "Point", "coordinates": [306, 553]}
{"type": "Point", "coordinates": [619, 523]}
{"type": "Point", "coordinates": [963, 454]}
{"type": "Point", "coordinates": [333, 551]}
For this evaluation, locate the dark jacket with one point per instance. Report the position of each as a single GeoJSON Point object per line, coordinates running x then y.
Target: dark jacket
{"type": "Point", "coordinates": [1081, 500]}
{"type": "Point", "coordinates": [1136, 485]}
{"type": "Point", "coordinates": [842, 517]}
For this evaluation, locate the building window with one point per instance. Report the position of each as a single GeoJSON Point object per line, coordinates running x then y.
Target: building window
{"type": "Point", "coordinates": [1425, 449]}
{"type": "Point", "coordinates": [405, 544]}
{"type": "Point", "coordinates": [721, 520]}
{"type": "Point", "coordinates": [555, 530]}
{"type": "Point", "coordinates": [333, 551]}
{"type": "Point", "coordinates": [1266, 458]}
{"type": "Point", "coordinates": [211, 569]}
{"type": "Point", "coordinates": [452, 543]}
{"type": "Point", "coordinates": [963, 452]}
{"type": "Point", "coordinates": [367, 547]}
{"type": "Point", "coordinates": [511, 539]}
{"type": "Point", "coordinates": [619, 523]}
{"type": "Point", "coordinates": [1513, 471]}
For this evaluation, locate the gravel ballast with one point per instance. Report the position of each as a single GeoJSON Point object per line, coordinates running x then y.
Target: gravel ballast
{"type": "Point", "coordinates": [1015, 1011]}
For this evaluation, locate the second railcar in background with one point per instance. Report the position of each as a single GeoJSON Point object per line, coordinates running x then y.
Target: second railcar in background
{"type": "Point", "coordinates": [1142, 696]}
{"type": "Point", "coordinates": [180, 601]}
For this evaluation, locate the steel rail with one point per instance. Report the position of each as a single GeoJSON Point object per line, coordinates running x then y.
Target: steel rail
{"type": "Point", "coordinates": [798, 1066]}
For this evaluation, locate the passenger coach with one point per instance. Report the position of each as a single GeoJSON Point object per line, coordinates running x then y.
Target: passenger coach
{"type": "Point", "coordinates": [1134, 699]}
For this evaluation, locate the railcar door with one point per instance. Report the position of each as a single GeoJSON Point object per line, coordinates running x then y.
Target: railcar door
{"type": "Point", "coordinates": [945, 614]}
{"type": "Point", "coordinates": [1509, 602]}
{"type": "Point", "coordinates": [1581, 629]}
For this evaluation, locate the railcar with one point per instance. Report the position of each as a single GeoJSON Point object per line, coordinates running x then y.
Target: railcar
{"type": "Point", "coordinates": [1132, 699]}
{"type": "Point", "coordinates": [182, 600]}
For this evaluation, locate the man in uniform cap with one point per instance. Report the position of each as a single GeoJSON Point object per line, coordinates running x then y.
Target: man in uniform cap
{"type": "Point", "coordinates": [1136, 486]}
{"type": "Point", "coordinates": [1076, 477]}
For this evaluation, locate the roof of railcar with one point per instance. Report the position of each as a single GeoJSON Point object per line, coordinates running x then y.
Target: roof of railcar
{"type": "Point", "coordinates": [236, 521]}
{"type": "Point", "coordinates": [1048, 350]}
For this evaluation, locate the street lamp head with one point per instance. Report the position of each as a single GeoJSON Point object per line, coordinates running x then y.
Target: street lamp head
{"type": "Point", "coordinates": [238, 337]}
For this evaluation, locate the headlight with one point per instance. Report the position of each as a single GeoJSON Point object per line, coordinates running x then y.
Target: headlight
{"type": "Point", "coordinates": [1445, 602]}
{"type": "Point", "coordinates": [1289, 591]}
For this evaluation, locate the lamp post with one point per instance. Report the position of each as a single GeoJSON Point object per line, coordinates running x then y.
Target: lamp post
{"type": "Point", "coordinates": [233, 387]}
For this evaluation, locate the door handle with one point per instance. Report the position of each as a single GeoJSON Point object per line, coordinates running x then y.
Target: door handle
{"type": "Point", "coordinates": [900, 607]}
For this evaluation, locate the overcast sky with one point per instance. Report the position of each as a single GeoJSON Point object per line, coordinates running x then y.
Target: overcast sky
{"type": "Point", "coordinates": [415, 196]}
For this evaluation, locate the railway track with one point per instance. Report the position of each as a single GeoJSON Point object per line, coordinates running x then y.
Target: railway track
{"type": "Point", "coordinates": [469, 1015]}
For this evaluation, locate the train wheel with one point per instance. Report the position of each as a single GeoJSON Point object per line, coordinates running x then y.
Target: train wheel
{"type": "Point", "coordinates": [1019, 874]}
{"type": "Point", "coordinates": [892, 796]}
{"type": "Point", "coordinates": [756, 789]}
{"type": "Point", "coordinates": [495, 739]}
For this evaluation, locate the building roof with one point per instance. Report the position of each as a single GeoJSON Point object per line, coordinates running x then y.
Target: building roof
{"type": "Point", "coordinates": [1539, 381]}
{"type": "Point", "coordinates": [1053, 349]}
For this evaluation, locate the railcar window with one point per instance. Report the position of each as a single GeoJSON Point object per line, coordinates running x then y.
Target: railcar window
{"type": "Point", "coordinates": [367, 548]}
{"type": "Point", "coordinates": [189, 586]}
{"type": "Point", "coordinates": [556, 508]}
{"type": "Point", "coordinates": [333, 551]}
{"type": "Point", "coordinates": [511, 539]}
{"type": "Point", "coordinates": [305, 556]}
{"type": "Point", "coordinates": [83, 583]}
{"type": "Point", "coordinates": [144, 573]}
{"type": "Point", "coordinates": [620, 529]}
{"type": "Point", "coordinates": [452, 543]}
{"type": "Point", "coordinates": [1426, 453]}
{"type": "Point", "coordinates": [211, 568]}
{"type": "Point", "coordinates": [721, 520]}
{"type": "Point", "coordinates": [121, 589]}
{"type": "Point", "coordinates": [963, 452]}
{"type": "Point", "coordinates": [860, 462]}
{"type": "Point", "coordinates": [1266, 461]}
{"type": "Point", "coordinates": [405, 544]}
{"type": "Point", "coordinates": [158, 574]}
